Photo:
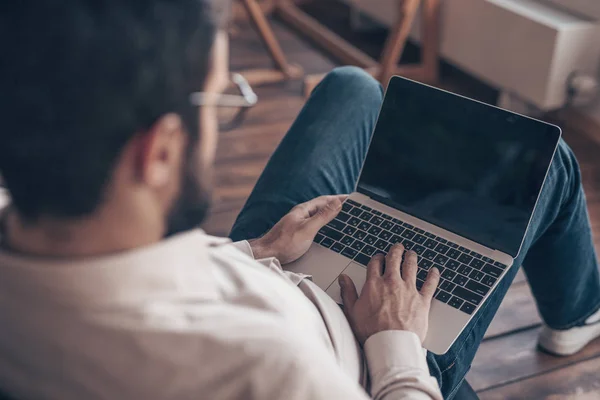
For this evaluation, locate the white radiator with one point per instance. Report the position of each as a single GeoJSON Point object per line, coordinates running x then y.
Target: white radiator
{"type": "Point", "coordinates": [523, 47]}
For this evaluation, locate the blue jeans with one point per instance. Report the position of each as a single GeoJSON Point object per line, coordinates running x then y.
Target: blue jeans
{"type": "Point", "coordinates": [323, 153]}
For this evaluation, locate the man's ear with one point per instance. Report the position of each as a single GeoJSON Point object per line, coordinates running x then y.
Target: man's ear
{"type": "Point", "coordinates": [160, 151]}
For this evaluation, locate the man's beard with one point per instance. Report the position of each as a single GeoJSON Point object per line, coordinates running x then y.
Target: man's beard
{"type": "Point", "coordinates": [193, 203]}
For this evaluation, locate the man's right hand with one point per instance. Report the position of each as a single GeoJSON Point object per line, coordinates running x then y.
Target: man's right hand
{"type": "Point", "coordinates": [389, 299]}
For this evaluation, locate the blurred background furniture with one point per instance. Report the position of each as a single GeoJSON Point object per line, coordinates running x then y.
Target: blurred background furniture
{"type": "Point", "coordinates": [507, 364]}
{"type": "Point", "coordinates": [535, 52]}
{"type": "Point", "coordinates": [405, 12]}
{"type": "Point", "coordinates": [283, 69]}
{"type": "Point", "coordinates": [345, 52]}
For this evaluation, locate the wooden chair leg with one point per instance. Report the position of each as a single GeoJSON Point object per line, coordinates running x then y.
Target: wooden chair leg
{"type": "Point", "coordinates": [396, 40]}
{"type": "Point", "coordinates": [335, 45]}
{"type": "Point", "coordinates": [270, 41]}
{"type": "Point", "coordinates": [427, 70]}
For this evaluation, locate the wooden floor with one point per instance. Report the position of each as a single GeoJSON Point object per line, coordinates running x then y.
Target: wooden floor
{"type": "Point", "coordinates": [508, 365]}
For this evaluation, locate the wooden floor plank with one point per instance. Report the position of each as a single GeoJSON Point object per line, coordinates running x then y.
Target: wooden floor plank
{"type": "Point", "coordinates": [260, 147]}
{"type": "Point", "coordinates": [513, 357]}
{"type": "Point", "coordinates": [580, 381]}
{"type": "Point", "coordinates": [520, 277]}
{"type": "Point", "coordinates": [276, 103]}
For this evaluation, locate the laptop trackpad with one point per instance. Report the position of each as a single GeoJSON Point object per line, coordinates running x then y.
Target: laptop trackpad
{"type": "Point", "coordinates": [357, 273]}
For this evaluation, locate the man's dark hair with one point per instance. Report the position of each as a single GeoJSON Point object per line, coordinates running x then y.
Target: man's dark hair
{"type": "Point", "coordinates": [80, 78]}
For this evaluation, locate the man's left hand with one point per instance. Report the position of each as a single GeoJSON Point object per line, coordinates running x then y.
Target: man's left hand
{"type": "Point", "coordinates": [291, 237]}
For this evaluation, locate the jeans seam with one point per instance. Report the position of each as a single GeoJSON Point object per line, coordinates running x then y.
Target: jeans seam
{"type": "Point", "coordinates": [450, 366]}
{"type": "Point", "coordinates": [456, 388]}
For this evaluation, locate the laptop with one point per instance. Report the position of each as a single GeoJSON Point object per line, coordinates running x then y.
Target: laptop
{"type": "Point", "coordinates": [451, 178]}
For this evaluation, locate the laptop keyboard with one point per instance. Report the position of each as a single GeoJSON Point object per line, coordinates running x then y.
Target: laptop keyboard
{"type": "Point", "coordinates": [359, 232]}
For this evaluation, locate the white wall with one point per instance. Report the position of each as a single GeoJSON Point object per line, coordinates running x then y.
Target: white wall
{"type": "Point", "coordinates": [589, 8]}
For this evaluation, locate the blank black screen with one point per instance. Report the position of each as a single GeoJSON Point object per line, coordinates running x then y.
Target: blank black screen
{"type": "Point", "coordinates": [465, 166]}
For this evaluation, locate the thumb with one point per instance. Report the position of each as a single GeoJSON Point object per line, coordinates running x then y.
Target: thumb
{"type": "Point", "coordinates": [348, 292]}
{"type": "Point", "coordinates": [325, 214]}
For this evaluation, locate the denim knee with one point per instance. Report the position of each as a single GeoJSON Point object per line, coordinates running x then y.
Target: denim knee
{"type": "Point", "coordinates": [353, 82]}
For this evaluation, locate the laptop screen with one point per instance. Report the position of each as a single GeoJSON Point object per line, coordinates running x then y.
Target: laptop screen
{"type": "Point", "coordinates": [464, 166]}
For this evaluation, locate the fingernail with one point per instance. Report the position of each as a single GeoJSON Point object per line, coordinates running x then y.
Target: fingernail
{"type": "Point", "coordinates": [341, 281]}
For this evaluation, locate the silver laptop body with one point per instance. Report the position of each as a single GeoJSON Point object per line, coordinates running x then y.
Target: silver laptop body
{"type": "Point", "coordinates": [452, 178]}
